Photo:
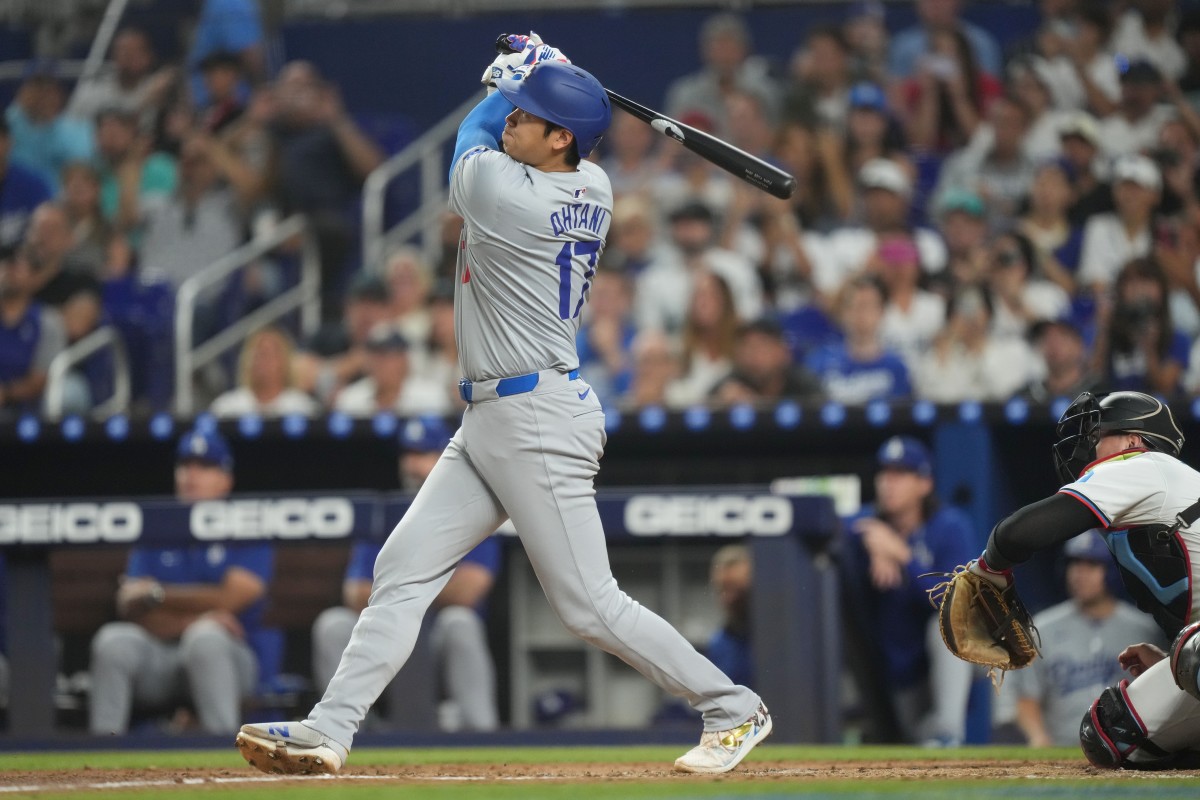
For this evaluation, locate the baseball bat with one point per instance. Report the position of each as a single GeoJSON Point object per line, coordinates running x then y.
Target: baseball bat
{"type": "Point", "coordinates": [751, 169]}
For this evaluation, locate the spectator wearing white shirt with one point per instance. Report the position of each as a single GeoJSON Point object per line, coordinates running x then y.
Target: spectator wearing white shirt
{"type": "Point", "coordinates": [887, 201]}
{"type": "Point", "coordinates": [665, 285]}
{"type": "Point", "coordinates": [1134, 126]}
{"type": "Point", "coordinates": [1145, 31]}
{"type": "Point", "coordinates": [966, 362]}
{"type": "Point", "coordinates": [389, 386]}
{"type": "Point", "coordinates": [130, 82]}
{"type": "Point", "coordinates": [1111, 240]}
{"type": "Point", "coordinates": [265, 379]}
{"type": "Point", "coordinates": [913, 315]}
{"type": "Point", "coordinates": [1080, 65]}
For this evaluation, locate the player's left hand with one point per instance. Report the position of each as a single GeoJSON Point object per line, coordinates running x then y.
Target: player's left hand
{"type": "Point", "coordinates": [517, 51]}
{"type": "Point", "coordinates": [1137, 658]}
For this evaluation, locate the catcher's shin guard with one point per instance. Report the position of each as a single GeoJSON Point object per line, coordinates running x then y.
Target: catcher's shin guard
{"type": "Point", "coordinates": [1185, 659]}
{"type": "Point", "coordinates": [1111, 732]}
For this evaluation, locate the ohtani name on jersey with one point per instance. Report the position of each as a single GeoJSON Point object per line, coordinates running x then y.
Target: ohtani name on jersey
{"type": "Point", "coordinates": [578, 215]}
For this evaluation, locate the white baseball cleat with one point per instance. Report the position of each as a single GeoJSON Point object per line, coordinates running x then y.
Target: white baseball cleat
{"type": "Point", "coordinates": [288, 748]}
{"type": "Point", "coordinates": [721, 751]}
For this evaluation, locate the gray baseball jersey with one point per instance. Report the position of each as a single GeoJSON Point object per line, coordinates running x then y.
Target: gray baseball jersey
{"type": "Point", "coordinates": [529, 247]}
{"type": "Point", "coordinates": [526, 257]}
{"type": "Point", "coordinates": [1079, 660]}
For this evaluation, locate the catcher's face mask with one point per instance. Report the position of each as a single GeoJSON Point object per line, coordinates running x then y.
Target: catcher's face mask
{"type": "Point", "coordinates": [1078, 434]}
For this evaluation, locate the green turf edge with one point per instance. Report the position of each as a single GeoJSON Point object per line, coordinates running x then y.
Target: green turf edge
{"type": "Point", "coordinates": [199, 759]}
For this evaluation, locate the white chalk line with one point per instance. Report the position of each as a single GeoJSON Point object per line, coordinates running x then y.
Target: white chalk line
{"type": "Point", "coordinates": [150, 784]}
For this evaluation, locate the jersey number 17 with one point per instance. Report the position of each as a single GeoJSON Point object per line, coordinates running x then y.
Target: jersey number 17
{"type": "Point", "coordinates": [589, 249]}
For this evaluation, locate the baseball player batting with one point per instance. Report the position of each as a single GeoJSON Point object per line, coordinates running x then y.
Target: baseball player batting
{"type": "Point", "coordinates": [535, 219]}
{"type": "Point", "coordinates": [1118, 457]}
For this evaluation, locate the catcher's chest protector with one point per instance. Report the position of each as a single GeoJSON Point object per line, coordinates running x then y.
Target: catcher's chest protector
{"type": "Point", "coordinates": [1154, 568]}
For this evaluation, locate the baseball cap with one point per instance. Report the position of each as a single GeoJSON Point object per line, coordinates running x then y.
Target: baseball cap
{"type": "Point", "coordinates": [868, 95]}
{"type": "Point", "coordinates": [1082, 125]}
{"type": "Point", "coordinates": [1087, 546]}
{"type": "Point", "coordinates": [907, 453]}
{"type": "Point", "coordinates": [386, 337]}
{"type": "Point", "coordinates": [963, 200]}
{"type": "Point", "coordinates": [1138, 71]}
{"type": "Point", "coordinates": [425, 434]}
{"type": "Point", "coordinates": [1137, 169]}
{"type": "Point", "coordinates": [369, 287]}
{"type": "Point", "coordinates": [220, 58]}
{"type": "Point", "coordinates": [1039, 328]}
{"type": "Point", "coordinates": [880, 173]}
{"type": "Point", "coordinates": [207, 447]}
{"type": "Point", "coordinates": [899, 250]}
{"type": "Point", "coordinates": [693, 211]}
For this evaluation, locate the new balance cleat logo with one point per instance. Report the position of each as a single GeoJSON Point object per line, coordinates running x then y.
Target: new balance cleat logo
{"type": "Point", "coordinates": [280, 731]}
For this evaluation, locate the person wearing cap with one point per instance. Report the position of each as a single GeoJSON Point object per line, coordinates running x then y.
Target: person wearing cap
{"type": "Point", "coordinates": [44, 139]}
{"type": "Point", "coordinates": [962, 221]}
{"type": "Point", "coordinates": [336, 355]}
{"type": "Point", "coordinates": [458, 632]}
{"type": "Point", "coordinates": [21, 191]}
{"type": "Point", "coordinates": [665, 286]}
{"type": "Point", "coordinates": [1111, 240]}
{"type": "Point", "coordinates": [389, 385]}
{"type": "Point", "coordinates": [129, 81]}
{"type": "Point", "coordinates": [1146, 30]}
{"type": "Point", "coordinates": [266, 383]}
{"type": "Point", "coordinates": [886, 190]}
{"type": "Point", "coordinates": [1133, 127]}
{"type": "Point", "coordinates": [221, 72]}
{"type": "Point", "coordinates": [190, 627]}
{"type": "Point", "coordinates": [1064, 354]}
{"type": "Point", "coordinates": [913, 316]}
{"type": "Point", "coordinates": [891, 543]}
{"type": "Point", "coordinates": [1080, 639]}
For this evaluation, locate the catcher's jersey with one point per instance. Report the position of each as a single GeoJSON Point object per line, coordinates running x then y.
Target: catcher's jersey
{"type": "Point", "coordinates": [1143, 488]}
{"type": "Point", "coordinates": [528, 250]}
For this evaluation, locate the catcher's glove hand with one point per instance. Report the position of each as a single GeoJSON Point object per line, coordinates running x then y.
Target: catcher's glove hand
{"type": "Point", "coordinates": [982, 620]}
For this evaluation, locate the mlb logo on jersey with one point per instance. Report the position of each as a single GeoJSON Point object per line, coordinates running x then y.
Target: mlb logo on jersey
{"type": "Point", "coordinates": [580, 192]}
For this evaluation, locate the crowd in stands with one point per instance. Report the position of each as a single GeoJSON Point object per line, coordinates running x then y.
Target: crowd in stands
{"type": "Point", "coordinates": [973, 222]}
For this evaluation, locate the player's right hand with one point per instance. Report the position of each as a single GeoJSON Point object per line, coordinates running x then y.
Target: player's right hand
{"type": "Point", "coordinates": [1137, 658]}
{"type": "Point", "coordinates": [517, 51]}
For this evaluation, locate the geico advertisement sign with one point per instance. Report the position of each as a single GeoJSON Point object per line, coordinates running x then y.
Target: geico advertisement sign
{"type": "Point", "coordinates": [717, 514]}
{"type": "Point", "coordinates": [52, 523]}
{"type": "Point", "coordinates": [287, 518]}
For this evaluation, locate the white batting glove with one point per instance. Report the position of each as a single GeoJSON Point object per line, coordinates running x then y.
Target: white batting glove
{"type": "Point", "coordinates": [517, 51]}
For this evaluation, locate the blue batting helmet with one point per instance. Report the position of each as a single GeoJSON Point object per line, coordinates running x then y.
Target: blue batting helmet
{"type": "Point", "coordinates": [565, 95]}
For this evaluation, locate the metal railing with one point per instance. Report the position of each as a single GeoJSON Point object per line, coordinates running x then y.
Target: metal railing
{"type": "Point", "coordinates": [304, 296]}
{"type": "Point", "coordinates": [104, 36]}
{"type": "Point", "coordinates": [60, 366]}
{"type": "Point", "coordinates": [427, 153]}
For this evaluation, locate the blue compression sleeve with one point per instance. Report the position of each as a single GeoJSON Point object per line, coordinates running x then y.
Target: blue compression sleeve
{"type": "Point", "coordinates": [482, 126]}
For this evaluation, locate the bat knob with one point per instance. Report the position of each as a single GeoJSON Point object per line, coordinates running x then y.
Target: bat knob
{"type": "Point", "coordinates": [504, 44]}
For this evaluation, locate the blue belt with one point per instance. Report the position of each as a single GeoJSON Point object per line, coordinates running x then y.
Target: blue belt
{"type": "Point", "coordinates": [506, 387]}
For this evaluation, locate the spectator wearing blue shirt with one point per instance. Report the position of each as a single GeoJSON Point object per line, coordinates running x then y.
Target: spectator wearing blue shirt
{"type": "Point", "coordinates": [891, 544]}
{"type": "Point", "coordinates": [605, 339]}
{"type": "Point", "coordinates": [458, 634]}
{"type": "Point", "coordinates": [44, 139]}
{"type": "Point", "coordinates": [730, 576]}
{"type": "Point", "coordinates": [909, 45]}
{"type": "Point", "coordinates": [860, 368]}
{"type": "Point", "coordinates": [191, 616]}
{"type": "Point", "coordinates": [227, 26]}
{"type": "Point", "coordinates": [21, 191]}
{"type": "Point", "coordinates": [30, 334]}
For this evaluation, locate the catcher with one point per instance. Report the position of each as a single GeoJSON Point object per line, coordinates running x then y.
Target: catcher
{"type": "Point", "coordinates": [1118, 457]}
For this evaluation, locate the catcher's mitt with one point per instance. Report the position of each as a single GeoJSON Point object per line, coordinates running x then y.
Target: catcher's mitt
{"type": "Point", "coordinates": [984, 624]}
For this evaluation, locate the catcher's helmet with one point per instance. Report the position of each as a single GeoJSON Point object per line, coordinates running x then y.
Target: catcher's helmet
{"type": "Point", "coordinates": [1088, 418]}
{"type": "Point", "coordinates": [565, 95]}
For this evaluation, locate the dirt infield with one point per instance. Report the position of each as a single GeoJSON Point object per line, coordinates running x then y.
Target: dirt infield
{"type": "Point", "coordinates": [758, 770]}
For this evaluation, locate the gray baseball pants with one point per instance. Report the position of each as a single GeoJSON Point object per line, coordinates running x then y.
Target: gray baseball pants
{"type": "Point", "coordinates": [132, 668]}
{"type": "Point", "coordinates": [459, 641]}
{"type": "Point", "coordinates": [531, 457]}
